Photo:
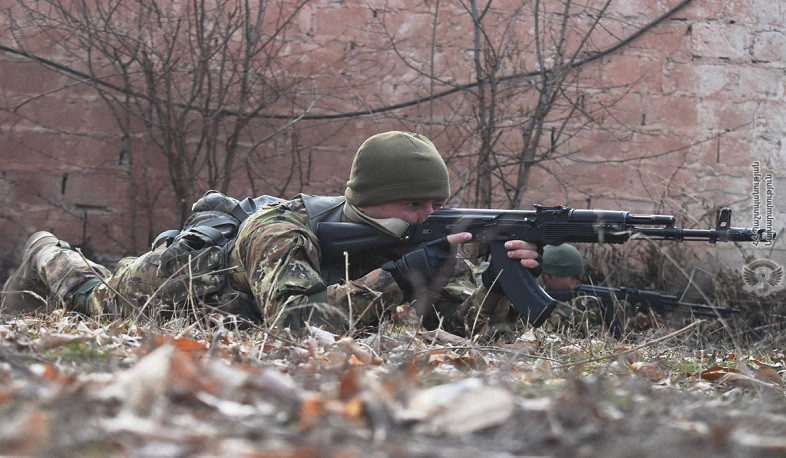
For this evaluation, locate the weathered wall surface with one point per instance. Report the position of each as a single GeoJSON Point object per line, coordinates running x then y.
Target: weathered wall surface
{"type": "Point", "coordinates": [705, 90]}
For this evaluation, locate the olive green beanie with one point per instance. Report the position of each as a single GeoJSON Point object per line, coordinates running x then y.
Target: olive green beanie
{"type": "Point", "coordinates": [562, 261]}
{"type": "Point", "coordinates": [394, 166]}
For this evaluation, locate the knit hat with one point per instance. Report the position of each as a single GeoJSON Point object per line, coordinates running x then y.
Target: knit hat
{"type": "Point", "coordinates": [394, 166]}
{"type": "Point", "coordinates": [562, 261]}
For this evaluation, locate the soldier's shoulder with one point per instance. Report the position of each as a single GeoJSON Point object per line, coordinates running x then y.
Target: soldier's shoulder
{"type": "Point", "coordinates": [291, 211]}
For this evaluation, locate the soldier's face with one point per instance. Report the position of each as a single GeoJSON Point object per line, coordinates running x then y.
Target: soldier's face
{"type": "Point", "coordinates": [560, 283]}
{"type": "Point", "coordinates": [411, 211]}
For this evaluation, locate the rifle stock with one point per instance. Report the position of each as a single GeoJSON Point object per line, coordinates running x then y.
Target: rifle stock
{"type": "Point", "coordinates": [544, 226]}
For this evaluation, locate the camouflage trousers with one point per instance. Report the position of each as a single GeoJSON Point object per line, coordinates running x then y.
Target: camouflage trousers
{"type": "Point", "coordinates": [134, 290]}
{"type": "Point", "coordinates": [78, 284]}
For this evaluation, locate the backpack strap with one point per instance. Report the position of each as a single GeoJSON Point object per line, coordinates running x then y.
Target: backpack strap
{"type": "Point", "coordinates": [205, 235]}
{"type": "Point", "coordinates": [244, 209]}
{"type": "Point", "coordinates": [166, 236]}
{"type": "Point", "coordinates": [210, 227]}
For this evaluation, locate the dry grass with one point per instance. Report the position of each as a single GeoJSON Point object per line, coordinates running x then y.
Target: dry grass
{"type": "Point", "coordinates": [203, 386]}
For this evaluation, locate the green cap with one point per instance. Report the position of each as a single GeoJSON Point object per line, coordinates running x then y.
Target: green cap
{"type": "Point", "coordinates": [562, 261]}
{"type": "Point", "coordinates": [394, 166]}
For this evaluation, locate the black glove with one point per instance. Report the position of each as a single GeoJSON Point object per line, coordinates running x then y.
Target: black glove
{"type": "Point", "coordinates": [489, 275]}
{"type": "Point", "coordinates": [428, 267]}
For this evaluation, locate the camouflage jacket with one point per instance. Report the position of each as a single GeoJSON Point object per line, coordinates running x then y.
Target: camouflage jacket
{"type": "Point", "coordinates": [276, 259]}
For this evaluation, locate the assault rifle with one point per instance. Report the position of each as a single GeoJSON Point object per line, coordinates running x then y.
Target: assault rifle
{"type": "Point", "coordinates": [641, 301]}
{"type": "Point", "coordinates": [645, 300]}
{"type": "Point", "coordinates": [544, 225]}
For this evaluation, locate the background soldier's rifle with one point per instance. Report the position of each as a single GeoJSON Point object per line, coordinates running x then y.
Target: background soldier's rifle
{"type": "Point", "coordinates": [644, 300]}
{"type": "Point", "coordinates": [638, 300]}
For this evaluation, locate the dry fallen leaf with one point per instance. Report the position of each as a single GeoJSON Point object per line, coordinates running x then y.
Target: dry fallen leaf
{"type": "Point", "coordinates": [48, 341]}
{"type": "Point", "coordinates": [715, 373]}
{"type": "Point", "coordinates": [24, 433]}
{"type": "Point", "coordinates": [758, 444]}
{"type": "Point", "coordinates": [745, 381]}
{"type": "Point", "coordinates": [770, 376]}
{"type": "Point", "coordinates": [441, 336]}
{"type": "Point", "coordinates": [349, 384]}
{"type": "Point", "coordinates": [278, 385]}
{"type": "Point", "coordinates": [311, 410]}
{"type": "Point", "coordinates": [720, 374]}
{"type": "Point", "coordinates": [648, 370]}
{"type": "Point", "coordinates": [187, 346]}
{"type": "Point", "coordinates": [354, 408]}
{"type": "Point", "coordinates": [322, 337]}
{"type": "Point", "coordinates": [362, 354]}
{"type": "Point", "coordinates": [140, 387]}
{"type": "Point", "coordinates": [454, 407]}
{"type": "Point", "coordinates": [523, 347]}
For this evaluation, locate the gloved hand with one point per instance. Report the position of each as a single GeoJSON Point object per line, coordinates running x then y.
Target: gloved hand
{"type": "Point", "coordinates": [428, 267]}
{"type": "Point", "coordinates": [489, 276]}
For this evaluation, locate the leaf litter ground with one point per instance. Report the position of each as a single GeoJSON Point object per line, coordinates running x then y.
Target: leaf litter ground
{"type": "Point", "coordinates": [70, 386]}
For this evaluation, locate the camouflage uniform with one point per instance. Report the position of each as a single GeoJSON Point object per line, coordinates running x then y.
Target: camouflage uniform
{"type": "Point", "coordinates": [275, 259]}
{"type": "Point", "coordinates": [585, 315]}
{"type": "Point", "coordinates": [273, 262]}
{"type": "Point", "coordinates": [77, 284]}
{"type": "Point", "coordinates": [278, 262]}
